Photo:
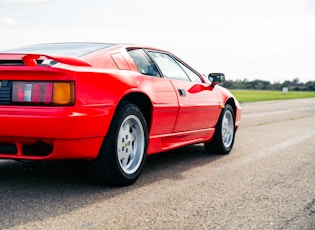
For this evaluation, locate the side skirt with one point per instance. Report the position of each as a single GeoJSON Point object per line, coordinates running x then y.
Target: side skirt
{"type": "Point", "coordinates": [161, 143]}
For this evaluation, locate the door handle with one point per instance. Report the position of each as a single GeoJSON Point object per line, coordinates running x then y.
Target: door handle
{"type": "Point", "coordinates": [182, 92]}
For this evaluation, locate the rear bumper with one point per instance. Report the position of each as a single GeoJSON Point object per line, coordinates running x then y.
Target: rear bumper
{"type": "Point", "coordinates": [49, 133]}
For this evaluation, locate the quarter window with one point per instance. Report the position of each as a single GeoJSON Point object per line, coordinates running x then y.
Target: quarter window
{"type": "Point", "coordinates": [143, 62]}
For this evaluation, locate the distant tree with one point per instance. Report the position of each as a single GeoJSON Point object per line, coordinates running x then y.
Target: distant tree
{"type": "Point", "coordinates": [286, 84]}
{"type": "Point", "coordinates": [296, 81]}
{"type": "Point", "coordinates": [310, 86]}
{"type": "Point", "coordinates": [294, 85]}
{"type": "Point", "coordinates": [275, 86]}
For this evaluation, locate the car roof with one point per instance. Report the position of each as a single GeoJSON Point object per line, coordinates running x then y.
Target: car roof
{"type": "Point", "coordinates": [72, 49]}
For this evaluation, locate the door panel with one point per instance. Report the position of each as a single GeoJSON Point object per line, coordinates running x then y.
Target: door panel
{"type": "Point", "coordinates": [196, 110]}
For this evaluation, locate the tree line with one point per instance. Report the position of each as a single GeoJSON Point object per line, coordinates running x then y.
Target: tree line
{"type": "Point", "coordinates": [294, 85]}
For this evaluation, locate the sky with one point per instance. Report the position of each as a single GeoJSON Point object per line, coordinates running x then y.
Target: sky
{"type": "Point", "coordinates": [272, 40]}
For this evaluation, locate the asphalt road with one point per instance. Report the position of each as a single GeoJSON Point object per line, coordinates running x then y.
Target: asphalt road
{"type": "Point", "coordinates": [266, 182]}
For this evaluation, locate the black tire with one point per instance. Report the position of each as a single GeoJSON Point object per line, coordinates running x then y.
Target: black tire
{"type": "Point", "coordinates": [223, 139]}
{"type": "Point", "coordinates": [123, 152]}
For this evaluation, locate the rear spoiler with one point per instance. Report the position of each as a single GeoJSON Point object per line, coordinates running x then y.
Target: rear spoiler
{"type": "Point", "coordinates": [31, 59]}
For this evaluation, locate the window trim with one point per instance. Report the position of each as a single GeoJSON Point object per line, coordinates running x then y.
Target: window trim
{"type": "Point", "coordinates": [177, 60]}
{"type": "Point", "coordinates": [172, 57]}
{"type": "Point", "coordinates": [190, 68]}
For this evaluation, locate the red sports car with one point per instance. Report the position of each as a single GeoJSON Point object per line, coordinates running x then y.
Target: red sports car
{"type": "Point", "coordinates": [109, 104]}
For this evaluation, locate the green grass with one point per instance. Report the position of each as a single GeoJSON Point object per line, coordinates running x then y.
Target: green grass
{"type": "Point", "coordinates": [267, 95]}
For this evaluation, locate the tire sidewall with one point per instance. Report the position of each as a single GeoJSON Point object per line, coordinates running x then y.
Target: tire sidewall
{"type": "Point", "coordinates": [123, 112]}
{"type": "Point", "coordinates": [219, 129]}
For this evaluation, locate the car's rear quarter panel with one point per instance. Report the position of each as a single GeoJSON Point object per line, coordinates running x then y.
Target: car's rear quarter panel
{"type": "Point", "coordinates": [75, 131]}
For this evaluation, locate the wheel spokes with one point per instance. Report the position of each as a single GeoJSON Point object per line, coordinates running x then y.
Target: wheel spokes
{"type": "Point", "coordinates": [227, 129]}
{"type": "Point", "coordinates": [129, 139]}
{"type": "Point", "coordinates": [124, 144]}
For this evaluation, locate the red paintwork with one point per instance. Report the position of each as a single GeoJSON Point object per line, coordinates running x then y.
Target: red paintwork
{"type": "Point", "coordinates": [76, 132]}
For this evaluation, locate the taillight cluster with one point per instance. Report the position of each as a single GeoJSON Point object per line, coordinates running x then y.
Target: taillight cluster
{"type": "Point", "coordinates": [53, 93]}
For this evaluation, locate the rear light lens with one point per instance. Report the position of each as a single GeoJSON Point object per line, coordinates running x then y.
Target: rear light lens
{"type": "Point", "coordinates": [63, 93]}
{"type": "Point", "coordinates": [47, 93]}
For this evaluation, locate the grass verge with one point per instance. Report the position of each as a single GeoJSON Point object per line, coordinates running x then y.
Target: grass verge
{"type": "Point", "coordinates": [267, 95]}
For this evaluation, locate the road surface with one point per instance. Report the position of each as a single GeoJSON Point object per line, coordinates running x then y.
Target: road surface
{"type": "Point", "coordinates": [266, 182]}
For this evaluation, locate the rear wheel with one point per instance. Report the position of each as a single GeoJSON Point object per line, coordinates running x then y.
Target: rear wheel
{"type": "Point", "coordinates": [123, 152]}
{"type": "Point", "coordinates": [223, 139]}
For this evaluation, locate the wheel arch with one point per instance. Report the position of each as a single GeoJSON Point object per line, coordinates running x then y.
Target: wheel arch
{"type": "Point", "coordinates": [237, 110]}
{"type": "Point", "coordinates": [143, 102]}
{"type": "Point", "coordinates": [231, 102]}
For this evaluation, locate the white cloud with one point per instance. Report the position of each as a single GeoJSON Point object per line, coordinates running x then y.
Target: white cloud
{"type": "Point", "coordinates": [7, 20]}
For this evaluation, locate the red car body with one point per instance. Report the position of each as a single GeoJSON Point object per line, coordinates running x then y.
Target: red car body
{"type": "Point", "coordinates": [176, 112]}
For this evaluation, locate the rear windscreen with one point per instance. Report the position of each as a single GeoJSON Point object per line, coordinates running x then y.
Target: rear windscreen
{"type": "Point", "coordinates": [71, 49]}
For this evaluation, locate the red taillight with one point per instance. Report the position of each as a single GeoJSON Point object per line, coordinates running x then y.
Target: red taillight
{"type": "Point", "coordinates": [43, 92]}
{"type": "Point", "coordinates": [18, 92]}
{"type": "Point", "coordinates": [36, 91]}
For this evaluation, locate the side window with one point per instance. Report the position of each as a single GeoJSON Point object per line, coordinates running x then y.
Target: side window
{"type": "Point", "coordinates": [143, 62]}
{"type": "Point", "coordinates": [191, 74]}
{"type": "Point", "coordinates": [169, 66]}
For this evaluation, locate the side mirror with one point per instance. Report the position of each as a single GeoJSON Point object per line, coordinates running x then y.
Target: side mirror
{"type": "Point", "coordinates": [216, 78]}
